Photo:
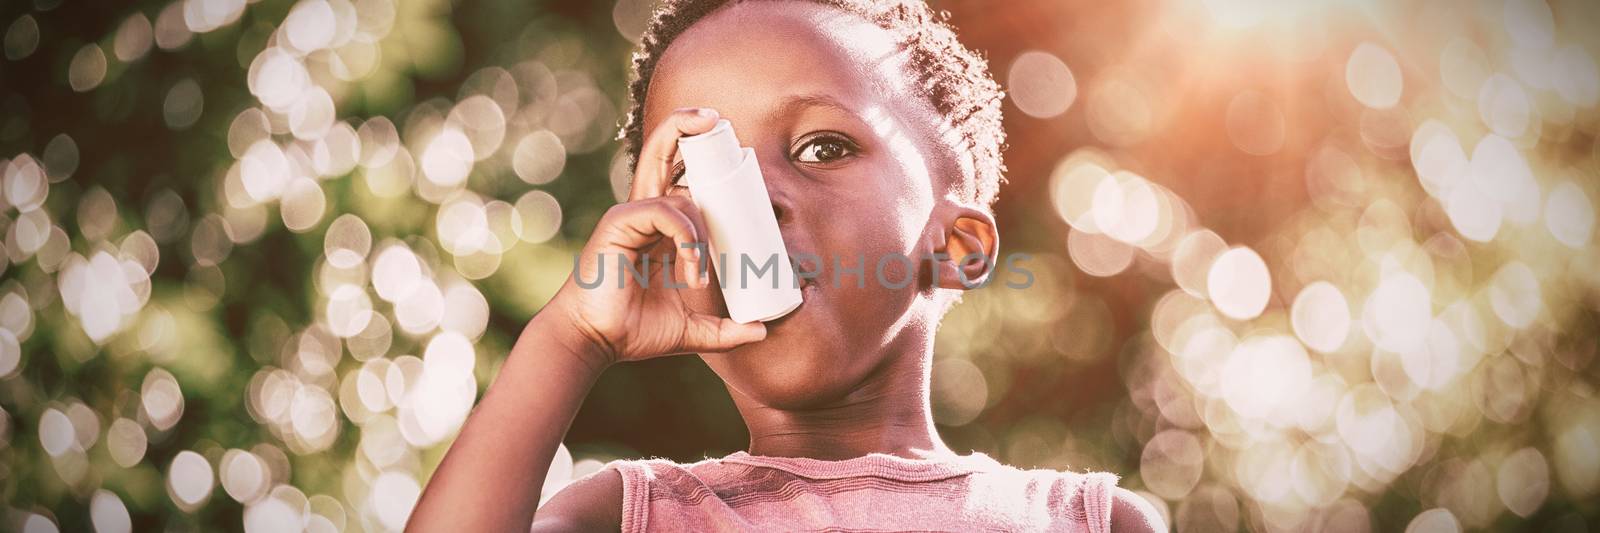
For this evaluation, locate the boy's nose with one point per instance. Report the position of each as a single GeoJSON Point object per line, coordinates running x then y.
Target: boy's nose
{"type": "Point", "coordinates": [780, 206]}
{"type": "Point", "coordinates": [780, 180]}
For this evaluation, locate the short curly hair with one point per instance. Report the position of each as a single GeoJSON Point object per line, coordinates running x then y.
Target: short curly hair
{"type": "Point", "coordinates": [954, 79]}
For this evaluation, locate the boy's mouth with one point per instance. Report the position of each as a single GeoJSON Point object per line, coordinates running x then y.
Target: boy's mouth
{"type": "Point", "coordinates": [809, 270]}
{"type": "Point", "coordinates": [809, 289]}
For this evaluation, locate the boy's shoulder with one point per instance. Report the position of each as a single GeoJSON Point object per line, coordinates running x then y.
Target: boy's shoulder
{"type": "Point", "coordinates": [601, 500]}
{"type": "Point", "coordinates": [1093, 496]}
{"type": "Point", "coordinates": [590, 503]}
{"type": "Point", "coordinates": [1132, 513]}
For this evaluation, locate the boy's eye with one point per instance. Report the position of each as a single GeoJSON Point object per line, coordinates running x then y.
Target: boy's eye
{"type": "Point", "coordinates": [825, 148]}
{"type": "Point", "coordinates": [677, 174]}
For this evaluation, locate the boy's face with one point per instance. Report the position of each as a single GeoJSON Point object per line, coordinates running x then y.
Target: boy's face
{"type": "Point", "coordinates": [820, 95]}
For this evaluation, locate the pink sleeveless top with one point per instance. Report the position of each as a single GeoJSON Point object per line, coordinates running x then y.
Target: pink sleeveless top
{"type": "Point", "coordinates": [877, 492]}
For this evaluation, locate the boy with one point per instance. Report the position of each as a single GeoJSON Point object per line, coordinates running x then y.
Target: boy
{"type": "Point", "coordinates": [878, 134]}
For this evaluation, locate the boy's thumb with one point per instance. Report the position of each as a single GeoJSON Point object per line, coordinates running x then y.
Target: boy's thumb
{"type": "Point", "coordinates": [708, 333]}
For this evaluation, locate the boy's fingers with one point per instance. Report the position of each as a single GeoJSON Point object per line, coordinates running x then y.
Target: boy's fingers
{"type": "Point", "coordinates": [687, 259]}
{"type": "Point", "coordinates": [709, 333]}
{"type": "Point", "coordinates": [653, 176]}
{"type": "Point", "coordinates": [684, 200]}
{"type": "Point", "coordinates": [685, 204]}
{"type": "Point", "coordinates": [639, 225]}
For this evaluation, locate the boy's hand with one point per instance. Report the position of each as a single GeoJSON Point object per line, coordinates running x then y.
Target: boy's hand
{"type": "Point", "coordinates": [639, 321]}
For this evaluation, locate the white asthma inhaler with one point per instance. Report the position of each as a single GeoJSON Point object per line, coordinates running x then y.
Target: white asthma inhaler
{"type": "Point", "coordinates": [746, 248]}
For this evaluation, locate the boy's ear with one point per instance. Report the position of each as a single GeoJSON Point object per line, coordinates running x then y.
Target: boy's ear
{"type": "Point", "coordinates": [966, 245]}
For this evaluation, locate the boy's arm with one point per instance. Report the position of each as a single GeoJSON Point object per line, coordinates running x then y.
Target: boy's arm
{"type": "Point", "coordinates": [492, 476]}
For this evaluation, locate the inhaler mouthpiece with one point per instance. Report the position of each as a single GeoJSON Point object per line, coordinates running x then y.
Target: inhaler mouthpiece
{"type": "Point", "coordinates": [746, 248]}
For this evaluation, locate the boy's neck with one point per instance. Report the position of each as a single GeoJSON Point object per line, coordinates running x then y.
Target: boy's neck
{"type": "Point", "coordinates": [889, 414]}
